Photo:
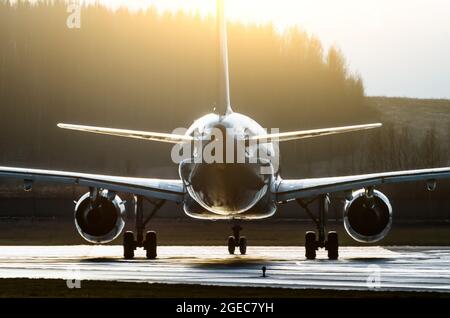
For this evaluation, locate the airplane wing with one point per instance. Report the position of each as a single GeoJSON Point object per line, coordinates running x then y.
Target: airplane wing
{"type": "Point", "coordinates": [172, 190]}
{"type": "Point", "coordinates": [300, 134]}
{"type": "Point", "coordinates": [287, 190]}
{"type": "Point", "coordinates": [146, 135]}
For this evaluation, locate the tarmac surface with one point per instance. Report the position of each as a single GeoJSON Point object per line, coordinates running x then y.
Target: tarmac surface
{"type": "Point", "coordinates": [358, 268]}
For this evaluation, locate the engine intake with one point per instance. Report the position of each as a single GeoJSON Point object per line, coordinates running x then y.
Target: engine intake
{"type": "Point", "coordinates": [367, 219]}
{"type": "Point", "coordinates": [100, 219]}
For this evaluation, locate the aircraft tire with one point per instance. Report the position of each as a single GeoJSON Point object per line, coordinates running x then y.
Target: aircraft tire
{"type": "Point", "coordinates": [243, 245]}
{"type": "Point", "coordinates": [150, 244]}
{"type": "Point", "coordinates": [333, 245]}
{"type": "Point", "coordinates": [231, 244]}
{"type": "Point", "coordinates": [128, 245]}
{"type": "Point", "coordinates": [310, 245]}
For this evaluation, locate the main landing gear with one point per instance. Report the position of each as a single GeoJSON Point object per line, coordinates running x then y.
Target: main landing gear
{"type": "Point", "coordinates": [313, 242]}
{"type": "Point", "coordinates": [149, 242]}
{"type": "Point", "coordinates": [236, 240]}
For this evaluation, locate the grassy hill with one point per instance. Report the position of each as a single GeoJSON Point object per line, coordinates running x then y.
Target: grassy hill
{"type": "Point", "coordinates": [418, 115]}
{"type": "Point", "coordinates": [415, 133]}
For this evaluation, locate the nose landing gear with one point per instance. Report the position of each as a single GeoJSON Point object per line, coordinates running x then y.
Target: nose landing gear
{"type": "Point", "coordinates": [236, 240]}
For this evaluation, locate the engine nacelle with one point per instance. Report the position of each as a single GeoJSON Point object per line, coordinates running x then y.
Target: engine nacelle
{"type": "Point", "coordinates": [367, 219]}
{"type": "Point", "coordinates": [100, 219]}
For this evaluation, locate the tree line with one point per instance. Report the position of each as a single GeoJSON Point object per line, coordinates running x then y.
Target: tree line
{"type": "Point", "coordinates": [153, 71]}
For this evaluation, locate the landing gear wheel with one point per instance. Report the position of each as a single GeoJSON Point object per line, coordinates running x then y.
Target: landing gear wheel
{"type": "Point", "coordinates": [231, 244]}
{"type": "Point", "coordinates": [332, 245]}
{"type": "Point", "coordinates": [243, 245]}
{"type": "Point", "coordinates": [150, 244]}
{"type": "Point", "coordinates": [128, 245]}
{"type": "Point", "coordinates": [310, 245]}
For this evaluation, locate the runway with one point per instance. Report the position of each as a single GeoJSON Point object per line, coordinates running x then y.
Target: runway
{"type": "Point", "coordinates": [358, 268]}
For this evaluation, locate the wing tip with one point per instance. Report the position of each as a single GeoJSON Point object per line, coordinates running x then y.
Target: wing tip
{"type": "Point", "coordinates": [63, 126]}
{"type": "Point", "coordinates": [72, 127]}
{"type": "Point", "coordinates": [377, 125]}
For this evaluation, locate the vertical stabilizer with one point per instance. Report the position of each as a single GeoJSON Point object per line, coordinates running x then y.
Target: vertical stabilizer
{"type": "Point", "coordinates": [223, 82]}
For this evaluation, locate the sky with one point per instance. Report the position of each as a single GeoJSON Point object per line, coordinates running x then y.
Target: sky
{"type": "Point", "coordinates": [399, 47]}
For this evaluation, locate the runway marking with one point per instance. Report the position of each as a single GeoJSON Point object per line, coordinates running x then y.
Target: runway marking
{"type": "Point", "coordinates": [399, 268]}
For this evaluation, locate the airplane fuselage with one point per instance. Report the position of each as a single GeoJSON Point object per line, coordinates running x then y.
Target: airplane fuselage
{"type": "Point", "coordinates": [226, 174]}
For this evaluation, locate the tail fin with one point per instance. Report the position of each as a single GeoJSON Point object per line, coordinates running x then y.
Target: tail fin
{"type": "Point", "coordinates": [223, 82]}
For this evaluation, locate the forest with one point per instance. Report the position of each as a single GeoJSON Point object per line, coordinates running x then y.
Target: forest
{"type": "Point", "coordinates": [156, 72]}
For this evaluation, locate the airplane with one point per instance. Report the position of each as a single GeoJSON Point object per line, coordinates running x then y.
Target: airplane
{"type": "Point", "coordinates": [227, 191]}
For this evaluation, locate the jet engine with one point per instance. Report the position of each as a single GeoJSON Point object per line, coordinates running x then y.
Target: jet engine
{"type": "Point", "coordinates": [367, 216]}
{"type": "Point", "coordinates": [99, 216]}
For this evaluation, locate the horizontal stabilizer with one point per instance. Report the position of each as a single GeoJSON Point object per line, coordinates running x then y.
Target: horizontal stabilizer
{"type": "Point", "coordinates": [312, 133]}
{"type": "Point", "coordinates": [146, 135]}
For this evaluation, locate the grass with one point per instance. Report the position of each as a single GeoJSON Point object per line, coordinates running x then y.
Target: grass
{"type": "Point", "coordinates": [416, 114]}
{"type": "Point", "coordinates": [18, 287]}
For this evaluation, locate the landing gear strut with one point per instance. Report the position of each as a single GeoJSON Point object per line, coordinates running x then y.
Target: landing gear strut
{"type": "Point", "coordinates": [313, 243]}
{"type": "Point", "coordinates": [149, 242]}
{"type": "Point", "coordinates": [236, 240]}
